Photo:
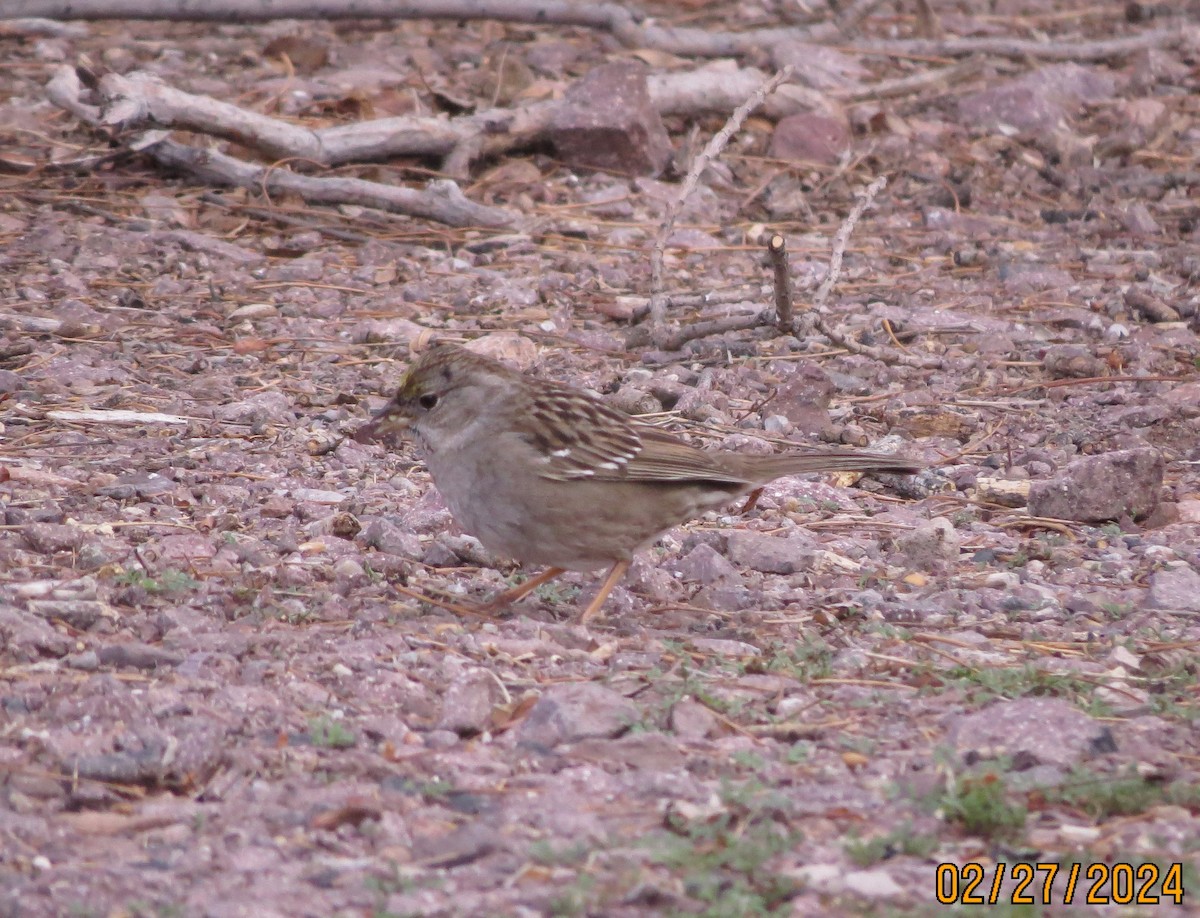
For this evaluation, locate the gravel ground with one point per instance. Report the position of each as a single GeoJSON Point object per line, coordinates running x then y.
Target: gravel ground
{"type": "Point", "coordinates": [221, 693]}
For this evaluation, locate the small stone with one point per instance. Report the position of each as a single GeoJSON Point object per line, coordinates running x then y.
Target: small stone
{"type": "Point", "coordinates": [607, 121]}
{"type": "Point", "coordinates": [772, 554]}
{"type": "Point", "coordinates": [569, 713]}
{"type": "Point", "coordinates": [48, 538]}
{"type": "Point", "coordinates": [348, 569]}
{"type": "Point", "coordinates": [136, 655]}
{"type": "Point", "coordinates": [469, 702]}
{"type": "Point", "coordinates": [1176, 589]}
{"type": "Point", "coordinates": [873, 884]}
{"type": "Point", "coordinates": [1046, 731]}
{"type": "Point", "coordinates": [253, 311]}
{"type": "Point", "coordinates": [317, 496]}
{"type": "Point", "coordinates": [1036, 101]}
{"type": "Point", "coordinates": [705, 565]}
{"type": "Point", "coordinates": [1139, 222]}
{"type": "Point", "coordinates": [810, 137]}
{"type": "Point", "coordinates": [385, 536]}
{"type": "Point", "coordinates": [692, 720]}
{"type": "Point", "coordinates": [777, 425]}
{"type": "Point", "coordinates": [1099, 488]}
{"type": "Point", "coordinates": [88, 661]}
{"type": "Point", "coordinates": [1071, 361]}
{"type": "Point", "coordinates": [930, 545]}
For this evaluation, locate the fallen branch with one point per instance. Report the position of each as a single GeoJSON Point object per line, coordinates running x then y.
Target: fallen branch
{"type": "Point", "coordinates": [842, 238]}
{"type": "Point", "coordinates": [628, 28]}
{"type": "Point", "coordinates": [625, 26]}
{"type": "Point", "coordinates": [440, 201]}
{"type": "Point", "coordinates": [114, 416]}
{"type": "Point", "coordinates": [917, 82]}
{"type": "Point", "coordinates": [140, 100]}
{"type": "Point", "coordinates": [1020, 48]}
{"type": "Point", "coordinates": [143, 100]}
{"type": "Point", "coordinates": [673, 338]}
{"type": "Point", "coordinates": [710, 152]}
{"type": "Point", "coordinates": [838, 337]}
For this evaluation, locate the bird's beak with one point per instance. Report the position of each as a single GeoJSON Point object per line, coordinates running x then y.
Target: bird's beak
{"type": "Point", "coordinates": [388, 423]}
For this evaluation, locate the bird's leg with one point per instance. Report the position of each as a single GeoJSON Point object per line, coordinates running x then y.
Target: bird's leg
{"type": "Point", "coordinates": [613, 578]}
{"type": "Point", "coordinates": [522, 590]}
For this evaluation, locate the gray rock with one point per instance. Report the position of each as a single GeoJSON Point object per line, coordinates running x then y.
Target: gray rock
{"type": "Point", "coordinates": [569, 713]}
{"type": "Point", "coordinates": [705, 565]}
{"type": "Point", "coordinates": [692, 720]}
{"type": "Point", "coordinates": [48, 538]}
{"type": "Point", "coordinates": [136, 655]}
{"type": "Point", "coordinates": [1176, 588]}
{"type": "Point", "coordinates": [724, 597]}
{"type": "Point", "coordinates": [81, 614]}
{"type": "Point", "coordinates": [810, 138]}
{"type": "Point", "coordinates": [30, 638]}
{"type": "Point", "coordinates": [1047, 731]}
{"type": "Point", "coordinates": [470, 699]}
{"type": "Point", "coordinates": [772, 554]}
{"type": "Point", "coordinates": [872, 884]}
{"type": "Point", "coordinates": [263, 408]}
{"type": "Point", "coordinates": [385, 536]}
{"type": "Point", "coordinates": [1139, 222]}
{"type": "Point", "coordinates": [10, 381]}
{"type": "Point", "coordinates": [930, 545]}
{"type": "Point", "coordinates": [1036, 101]}
{"type": "Point", "coordinates": [1071, 361]}
{"type": "Point", "coordinates": [1099, 488]}
{"type": "Point", "coordinates": [804, 398]}
{"type": "Point", "coordinates": [606, 121]}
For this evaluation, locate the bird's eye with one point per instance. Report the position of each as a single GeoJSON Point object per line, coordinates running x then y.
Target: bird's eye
{"type": "Point", "coordinates": [427, 401]}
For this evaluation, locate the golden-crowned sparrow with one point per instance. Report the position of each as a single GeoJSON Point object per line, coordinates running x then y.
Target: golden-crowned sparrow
{"type": "Point", "coordinates": [548, 474]}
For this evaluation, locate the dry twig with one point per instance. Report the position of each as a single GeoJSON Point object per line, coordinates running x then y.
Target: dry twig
{"type": "Point", "coordinates": [628, 28]}
{"type": "Point", "coordinates": [138, 101]}
{"type": "Point", "coordinates": [842, 238]}
{"type": "Point", "coordinates": [838, 337]}
{"type": "Point", "coordinates": [777, 250]}
{"type": "Point", "coordinates": [710, 152]}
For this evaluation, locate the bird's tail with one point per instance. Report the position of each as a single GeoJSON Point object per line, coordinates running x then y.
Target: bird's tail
{"type": "Point", "coordinates": [804, 462]}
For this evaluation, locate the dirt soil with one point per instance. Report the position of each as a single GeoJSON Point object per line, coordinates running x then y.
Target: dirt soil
{"type": "Point", "coordinates": [221, 693]}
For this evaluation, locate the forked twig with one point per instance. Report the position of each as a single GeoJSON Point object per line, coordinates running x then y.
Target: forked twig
{"type": "Point", "coordinates": [840, 240]}
{"type": "Point", "coordinates": [708, 154]}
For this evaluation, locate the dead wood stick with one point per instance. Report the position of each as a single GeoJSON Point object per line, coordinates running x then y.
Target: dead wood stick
{"type": "Point", "coordinates": [842, 238]}
{"type": "Point", "coordinates": [40, 27]}
{"type": "Point", "coordinates": [675, 338]}
{"type": "Point", "coordinates": [1061, 50]}
{"type": "Point", "coordinates": [902, 86]}
{"type": "Point", "coordinates": [440, 201]}
{"type": "Point", "coordinates": [630, 30]}
{"type": "Point", "coordinates": [721, 86]}
{"type": "Point", "coordinates": [777, 250]}
{"type": "Point", "coordinates": [710, 152]}
{"type": "Point", "coordinates": [837, 336]}
{"type": "Point", "coordinates": [285, 219]}
{"type": "Point", "coordinates": [141, 100]}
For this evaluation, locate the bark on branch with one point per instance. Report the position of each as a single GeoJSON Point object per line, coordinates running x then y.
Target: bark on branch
{"type": "Point", "coordinates": [624, 25]}
{"type": "Point", "coordinates": [440, 201]}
